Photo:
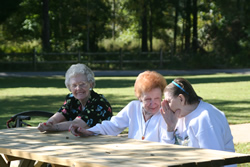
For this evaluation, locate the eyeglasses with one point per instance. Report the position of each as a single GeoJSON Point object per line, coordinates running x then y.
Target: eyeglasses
{"type": "Point", "coordinates": [80, 85]}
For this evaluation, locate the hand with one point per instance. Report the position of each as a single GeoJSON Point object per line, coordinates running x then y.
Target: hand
{"type": "Point", "coordinates": [76, 130]}
{"type": "Point", "coordinates": [169, 116]}
{"type": "Point", "coordinates": [45, 126]}
{"type": "Point", "coordinates": [78, 121]}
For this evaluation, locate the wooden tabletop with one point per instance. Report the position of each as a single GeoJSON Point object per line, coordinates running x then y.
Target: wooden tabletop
{"type": "Point", "coordinates": [65, 149]}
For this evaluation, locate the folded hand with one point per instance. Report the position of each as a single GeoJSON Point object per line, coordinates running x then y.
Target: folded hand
{"type": "Point", "coordinates": [169, 116]}
{"type": "Point", "coordinates": [76, 130]}
{"type": "Point", "coordinates": [45, 126]}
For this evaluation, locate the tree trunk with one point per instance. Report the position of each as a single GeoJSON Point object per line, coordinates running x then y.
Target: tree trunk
{"type": "Point", "coordinates": [176, 24]}
{"type": "Point", "coordinates": [195, 34]}
{"type": "Point", "coordinates": [113, 23]}
{"type": "Point", "coordinates": [88, 30]}
{"type": "Point", "coordinates": [188, 26]}
{"type": "Point", "coordinates": [144, 47]}
{"type": "Point", "coordinates": [151, 26]}
{"type": "Point", "coordinates": [46, 26]}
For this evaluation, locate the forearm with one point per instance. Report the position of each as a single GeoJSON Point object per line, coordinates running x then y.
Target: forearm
{"type": "Point", "coordinates": [107, 128]}
{"type": "Point", "coordinates": [62, 126]}
{"type": "Point", "coordinates": [166, 136]}
{"type": "Point", "coordinates": [56, 118]}
{"type": "Point", "coordinates": [54, 123]}
{"type": "Point", "coordinates": [78, 121]}
{"type": "Point", "coordinates": [169, 138]}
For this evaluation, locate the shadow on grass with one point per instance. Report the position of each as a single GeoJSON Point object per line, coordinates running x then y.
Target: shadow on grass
{"type": "Point", "coordinates": [235, 114]}
{"type": "Point", "coordinates": [14, 105]}
{"type": "Point", "coordinates": [44, 82]}
{"type": "Point", "coordinates": [18, 104]}
{"type": "Point", "coordinates": [41, 82]}
{"type": "Point", "coordinates": [224, 79]}
{"type": "Point", "coordinates": [120, 82]}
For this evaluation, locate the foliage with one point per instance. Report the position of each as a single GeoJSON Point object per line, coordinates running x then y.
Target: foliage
{"type": "Point", "coordinates": [83, 25]}
{"type": "Point", "coordinates": [228, 32]}
{"type": "Point", "coordinates": [7, 8]}
{"type": "Point", "coordinates": [25, 23]}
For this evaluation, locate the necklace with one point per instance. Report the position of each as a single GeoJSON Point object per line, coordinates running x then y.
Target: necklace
{"type": "Point", "coordinates": [143, 133]}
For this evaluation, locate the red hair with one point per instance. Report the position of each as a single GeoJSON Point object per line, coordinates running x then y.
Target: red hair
{"type": "Point", "coordinates": [148, 80]}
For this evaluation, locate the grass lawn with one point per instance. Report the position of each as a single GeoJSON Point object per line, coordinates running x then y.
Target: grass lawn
{"type": "Point", "coordinates": [228, 92]}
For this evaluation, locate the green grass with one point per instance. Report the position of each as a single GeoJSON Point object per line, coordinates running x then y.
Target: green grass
{"type": "Point", "coordinates": [228, 92]}
{"type": "Point", "coordinates": [243, 148]}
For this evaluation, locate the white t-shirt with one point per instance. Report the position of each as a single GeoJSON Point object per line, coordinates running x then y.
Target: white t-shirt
{"type": "Point", "coordinates": [131, 116]}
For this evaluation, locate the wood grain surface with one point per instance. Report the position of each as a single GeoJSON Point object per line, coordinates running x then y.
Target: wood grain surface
{"type": "Point", "coordinates": [62, 148]}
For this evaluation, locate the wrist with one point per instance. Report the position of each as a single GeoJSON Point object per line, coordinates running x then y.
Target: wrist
{"type": "Point", "coordinates": [56, 127]}
{"type": "Point", "coordinates": [90, 133]}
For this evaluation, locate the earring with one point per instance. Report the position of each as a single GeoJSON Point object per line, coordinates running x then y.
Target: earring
{"type": "Point", "coordinates": [90, 89]}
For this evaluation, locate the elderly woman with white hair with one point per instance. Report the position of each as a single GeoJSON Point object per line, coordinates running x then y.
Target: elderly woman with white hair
{"type": "Point", "coordinates": [83, 106]}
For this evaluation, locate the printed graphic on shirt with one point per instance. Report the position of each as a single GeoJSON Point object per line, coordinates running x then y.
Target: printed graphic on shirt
{"type": "Point", "coordinates": [96, 109]}
{"type": "Point", "coordinates": [181, 139]}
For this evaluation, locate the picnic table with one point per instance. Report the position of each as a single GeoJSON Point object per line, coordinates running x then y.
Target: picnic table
{"type": "Point", "coordinates": [35, 149]}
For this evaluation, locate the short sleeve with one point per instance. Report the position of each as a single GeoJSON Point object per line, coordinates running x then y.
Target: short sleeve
{"type": "Point", "coordinates": [69, 108]}
{"type": "Point", "coordinates": [96, 110]}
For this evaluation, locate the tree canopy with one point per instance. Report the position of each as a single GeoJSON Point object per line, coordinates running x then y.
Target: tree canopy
{"type": "Point", "coordinates": [193, 30]}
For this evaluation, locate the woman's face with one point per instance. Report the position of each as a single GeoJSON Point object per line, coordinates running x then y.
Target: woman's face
{"type": "Point", "coordinates": [174, 103]}
{"type": "Point", "coordinates": [80, 86]}
{"type": "Point", "coordinates": [152, 100]}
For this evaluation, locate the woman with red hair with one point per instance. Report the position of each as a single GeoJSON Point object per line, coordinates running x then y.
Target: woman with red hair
{"type": "Point", "coordinates": [142, 117]}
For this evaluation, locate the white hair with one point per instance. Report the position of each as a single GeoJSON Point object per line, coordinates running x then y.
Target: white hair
{"type": "Point", "coordinates": [81, 69]}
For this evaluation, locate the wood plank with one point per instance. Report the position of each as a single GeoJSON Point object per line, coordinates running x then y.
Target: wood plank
{"type": "Point", "coordinates": [3, 162]}
{"type": "Point", "coordinates": [67, 150]}
{"type": "Point", "coordinates": [54, 165]}
{"type": "Point", "coordinates": [43, 164]}
{"type": "Point", "coordinates": [40, 164]}
{"type": "Point", "coordinates": [11, 158]}
{"type": "Point", "coordinates": [26, 163]}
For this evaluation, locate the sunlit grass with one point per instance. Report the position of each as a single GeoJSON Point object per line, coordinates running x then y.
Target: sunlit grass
{"type": "Point", "coordinates": [243, 148]}
{"type": "Point", "coordinates": [228, 92]}
{"type": "Point", "coordinates": [34, 91]}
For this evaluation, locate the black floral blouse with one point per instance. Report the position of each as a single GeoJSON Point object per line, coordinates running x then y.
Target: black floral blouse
{"type": "Point", "coordinates": [96, 109]}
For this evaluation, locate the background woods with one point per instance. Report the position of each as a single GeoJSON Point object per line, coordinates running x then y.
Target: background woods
{"type": "Point", "coordinates": [195, 33]}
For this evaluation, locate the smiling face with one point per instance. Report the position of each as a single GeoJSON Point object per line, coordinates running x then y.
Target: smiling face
{"type": "Point", "coordinates": [152, 100]}
{"type": "Point", "coordinates": [80, 87]}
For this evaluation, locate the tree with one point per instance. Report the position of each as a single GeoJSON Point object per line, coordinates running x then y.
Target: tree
{"type": "Point", "coordinates": [151, 11]}
{"type": "Point", "coordinates": [195, 34]}
{"type": "Point", "coordinates": [176, 24]}
{"type": "Point", "coordinates": [188, 25]}
{"type": "Point", "coordinates": [81, 23]}
{"type": "Point", "coordinates": [7, 8]}
{"type": "Point", "coordinates": [46, 26]}
{"type": "Point", "coordinates": [144, 25]}
{"type": "Point", "coordinates": [229, 31]}
{"type": "Point", "coordinates": [25, 23]}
